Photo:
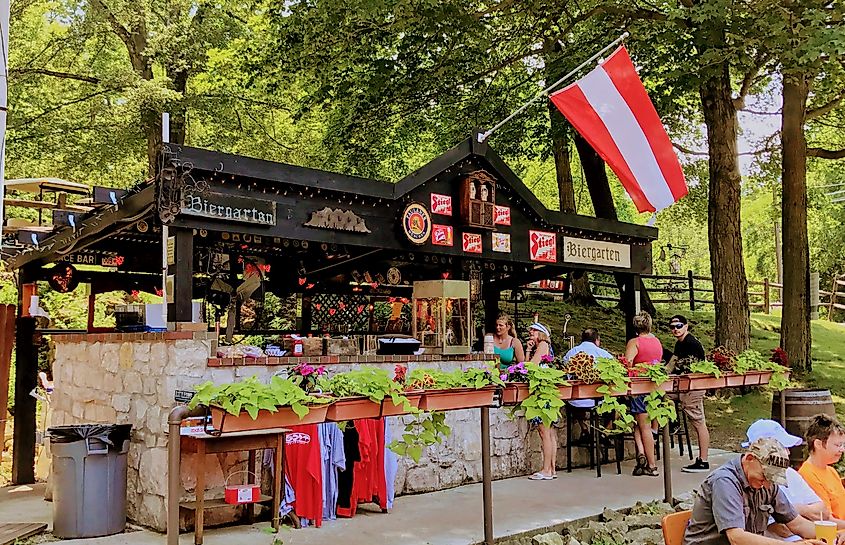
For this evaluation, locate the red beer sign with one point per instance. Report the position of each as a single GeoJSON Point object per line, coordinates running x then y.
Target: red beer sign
{"type": "Point", "coordinates": [543, 246]}
{"type": "Point", "coordinates": [441, 204]}
{"type": "Point", "coordinates": [472, 243]}
{"type": "Point", "coordinates": [502, 215]}
{"type": "Point", "coordinates": [442, 235]}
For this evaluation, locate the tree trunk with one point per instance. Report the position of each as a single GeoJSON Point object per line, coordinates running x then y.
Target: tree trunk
{"type": "Point", "coordinates": [730, 286]}
{"type": "Point", "coordinates": [560, 130]}
{"type": "Point", "coordinates": [602, 198]}
{"type": "Point", "coordinates": [795, 321]}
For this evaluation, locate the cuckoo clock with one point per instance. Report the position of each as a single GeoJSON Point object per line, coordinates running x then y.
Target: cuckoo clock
{"type": "Point", "coordinates": [478, 199]}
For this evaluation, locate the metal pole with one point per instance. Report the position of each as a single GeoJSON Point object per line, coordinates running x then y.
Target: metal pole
{"type": "Point", "coordinates": [484, 135]}
{"type": "Point", "coordinates": [667, 466]}
{"type": "Point", "coordinates": [4, 88]}
{"type": "Point", "coordinates": [486, 476]}
{"type": "Point", "coordinates": [174, 457]}
{"type": "Point", "coordinates": [165, 233]}
{"type": "Point", "coordinates": [783, 408]}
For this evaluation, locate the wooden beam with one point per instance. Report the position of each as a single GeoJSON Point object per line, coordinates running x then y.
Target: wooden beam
{"type": "Point", "coordinates": [26, 378]}
{"type": "Point", "coordinates": [182, 270]}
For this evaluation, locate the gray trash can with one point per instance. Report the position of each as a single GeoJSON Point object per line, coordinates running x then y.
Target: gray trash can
{"type": "Point", "coordinates": [89, 479]}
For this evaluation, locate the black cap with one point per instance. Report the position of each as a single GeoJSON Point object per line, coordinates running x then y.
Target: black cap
{"type": "Point", "coordinates": [678, 318]}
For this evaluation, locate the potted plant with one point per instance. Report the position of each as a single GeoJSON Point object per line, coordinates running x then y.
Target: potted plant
{"type": "Point", "coordinates": [649, 377]}
{"type": "Point", "coordinates": [516, 384]}
{"type": "Point", "coordinates": [544, 398]}
{"type": "Point", "coordinates": [703, 375]}
{"type": "Point", "coordinates": [468, 389]}
{"type": "Point", "coordinates": [253, 405]}
{"type": "Point", "coordinates": [306, 376]}
{"type": "Point", "coordinates": [363, 392]}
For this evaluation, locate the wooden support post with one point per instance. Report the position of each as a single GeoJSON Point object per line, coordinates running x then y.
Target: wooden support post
{"type": "Point", "coordinates": [832, 298]}
{"type": "Point", "coordinates": [691, 282]}
{"type": "Point", "coordinates": [491, 308]}
{"type": "Point", "coordinates": [766, 297]}
{"type": "Point", "coordinates": [629, 303]}
{"type": "Point", "coordinates": [486, 476]}
{"type": "Point", "coordinates": [182, 271]}
{"type": "Point", "coordinates": [92, 299]}
{"type": "Point", "coordinates": [7, 340]}
{"type": "Point", "coordinates": [26, 376]}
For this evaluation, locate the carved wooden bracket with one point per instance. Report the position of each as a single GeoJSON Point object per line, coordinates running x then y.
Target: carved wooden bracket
{"type": "Point", "coordinates": [337, 219]}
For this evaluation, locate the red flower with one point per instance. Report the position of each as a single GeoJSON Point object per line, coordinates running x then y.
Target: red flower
{"type": "Point", "coordinates": [780, 356]}
{"type": "Point", "coordinates": [399, 373]}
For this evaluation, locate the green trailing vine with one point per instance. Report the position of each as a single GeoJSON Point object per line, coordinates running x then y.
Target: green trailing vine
{"type": "Point", "coordinates": [424, 430]}
{"type": "Point", "coordinates": [623, 422]}
{"type": "Point", "coordinates": [544, 400]}
{"type": "Point", "coordinates": [659, 407]}
{"type": "Point", "coordinates": [371, 382]}
{"type": "Point", "coordinates": [614, 375]}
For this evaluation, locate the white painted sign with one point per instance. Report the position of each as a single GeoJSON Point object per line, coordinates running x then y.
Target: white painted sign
{"type": "Point", "coordinates": [596, 252]}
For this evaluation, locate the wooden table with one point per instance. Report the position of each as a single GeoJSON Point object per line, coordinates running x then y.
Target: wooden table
{"type": "Point", "coordinates": [234, 442]}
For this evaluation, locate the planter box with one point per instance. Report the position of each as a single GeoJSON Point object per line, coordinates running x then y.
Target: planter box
{"type": "Point", "coordinates": [457, 398]}
{"type": "Point", "coordinates": [699, 381]}
{"type": "Point", "coordinates": [388, 408]}
{"type": "Point", "coordinates": [757, 378]}
{"type": "Point", "coordinates": [283, 418]}
{"type": "Point", "coordinates": [565, 391]}
{"type": "Point", "coordinates": [352, 408]}
{"type": "Point", "coordinates": [641, 386]}
{"type": "Point", "coordinates": [514, 393]}
{"type": "Point", "coordinates": [580, 390]}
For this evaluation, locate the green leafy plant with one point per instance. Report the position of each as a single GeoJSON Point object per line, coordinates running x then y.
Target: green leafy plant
{"type": "Point", "coordinates": [422, 431]}
{"type": "Point", "coordinates": [655, 372]}
{"type": "Point", "coordinates": [750, 360]}
{"type": "Point", "coordinates": [705, 367]}
{"type": "Point", "coordinates": [370, 382]}
{"type": "Point", "coordinates": [544, 395]}
{"type": "Point", "coordinates": [252, 396]}
{"type": "Point", "coordinates": [623, 421]}
{"type": "Point", "coordinates": [659, 407]}
{"type": "Point", "coordinates": [480, 377]}
{"type": "Point", "coordinates": [614, 375]}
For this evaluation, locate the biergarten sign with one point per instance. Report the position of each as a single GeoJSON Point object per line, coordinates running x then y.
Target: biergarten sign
{"type": "Point", "coordinates": [229, 208]}
{"type": "Point", "coordinates": [596, 252]}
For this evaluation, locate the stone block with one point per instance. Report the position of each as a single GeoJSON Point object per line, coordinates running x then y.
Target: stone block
{"type": "Point", "coordinates": [153, 512]}
{"type": "Point", "coordinates": [132, 383]}
{"type": "Point", "coordinates": [152, 471]}
{"type": "Point", "coordinates": [155, 420]}
{"type": "Point", "coordinates": [142, 353]}
{"type": "Point", "coordinates": [78, 410]}
{"type": "Point", "coordinates": [126, 355]}
{"type": "Point", "coordinates": [610, 514]}
{"type": "Point", "coordinates": [90, 412]}
{"type": "Point", "coordinates": [150, 385]}
{"type": "Point", "coordinates": [421, 479]}
{"type": "Point", "coordinates": [644, 521]}
{"type": "Point", "coordinates": [158, 355]}
{"type": "Point", "coordinates": [121, 403]}
{"type": "Point", "coordinates": [141, 407]}
{"type": "Point", "coordinates": [645, 536]}
{"type": "Point", "coordinates": [551, 538]}
{"type": "Point", "coordinates": [110, 357]}
{"type": "Point", "coordinates": [105, 414]}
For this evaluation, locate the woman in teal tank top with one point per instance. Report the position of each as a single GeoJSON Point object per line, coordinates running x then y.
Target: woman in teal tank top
{"type": "Point", "coordinates": [505, 344]}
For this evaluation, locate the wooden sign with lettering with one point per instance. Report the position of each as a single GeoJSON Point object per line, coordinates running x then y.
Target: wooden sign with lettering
{"type": "Point", "coordinates": [229, 208]}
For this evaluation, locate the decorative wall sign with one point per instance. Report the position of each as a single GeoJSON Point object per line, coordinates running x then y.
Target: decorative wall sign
{"type": "Point", "coordinates": [229, 208]}
{"type": "Point", "coordinates": [63, 278]}
{"type": "Point", "coordinates": [442, 235]}
{"type": "Point", "coordinates": [501, 215]}
{"type": "Point", "coordinates": [337, 219]}
{"type": "Point", "coordinates": [596, 252]}
{"type": "Point", "coordinates": [441, 204]}
{"type": "Point", "coordinates": [93, 258]}
{"type": "Point", "coordinates": [542, 246]}
{"type": "Point", "coordinates": [393, 276]}
{"type": "Point", "coordinates": [502, 243]}
{"type": "Point", "coordinates": [416, 222]}
{"type": "Point", "coordinates": [472, 243]}
{"type": "Point", "coordinates": [478, 195]}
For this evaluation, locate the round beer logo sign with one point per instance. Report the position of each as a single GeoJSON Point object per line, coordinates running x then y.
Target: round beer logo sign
{"type": "Point", "coordinates": [416, 222]}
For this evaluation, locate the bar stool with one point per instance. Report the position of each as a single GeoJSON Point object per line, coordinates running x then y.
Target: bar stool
{"type": "Point", "coordinates": [682, 431]}
{"type": "Point", "coordinates": [597, 448]}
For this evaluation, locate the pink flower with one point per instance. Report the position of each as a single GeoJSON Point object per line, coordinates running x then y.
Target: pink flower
{"type": "Point", "coordinates": [503, 376]}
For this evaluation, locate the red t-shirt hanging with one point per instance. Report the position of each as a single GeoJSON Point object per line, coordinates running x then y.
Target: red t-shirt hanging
{"type": "Point", "coordinates": [370, 484]}
{"type": "Point", "coordinates": [304, 471]}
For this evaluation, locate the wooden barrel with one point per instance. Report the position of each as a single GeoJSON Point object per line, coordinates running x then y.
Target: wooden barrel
{"type": "Point", "coordinates": [802, 404]}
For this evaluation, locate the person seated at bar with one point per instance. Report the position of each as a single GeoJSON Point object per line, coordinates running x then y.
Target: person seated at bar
{"type": "Point", "coordinates": [505, 344]}
{"type": "Point", "coordinates": [540, 345]}
{"type": "Point", "coordinates": [826, 443]}
{"type": "Point", "coordinates": [590, 344]}
{"type": "Point", "coordinates": [644, 348]}
{"type": "Point", "coordinates": [733, 504]}
{"type": "Point", "coordinates": [797, 491]}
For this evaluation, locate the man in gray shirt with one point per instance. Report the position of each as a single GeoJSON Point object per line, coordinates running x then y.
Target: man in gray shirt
{"type": "Point", "coordinates": [733, 505]}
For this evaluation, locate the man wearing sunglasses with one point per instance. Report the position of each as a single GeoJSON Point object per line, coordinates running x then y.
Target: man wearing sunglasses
{"type": "Point", "coordinates": [688, 348]}
{"type": "Point", "coordinates": [733, 504]}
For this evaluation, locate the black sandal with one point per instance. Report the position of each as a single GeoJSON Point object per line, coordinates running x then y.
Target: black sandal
{"type": "Point", "coordinates": [642, 464]}
{"type": "Point", "coordinates": [650, 471]}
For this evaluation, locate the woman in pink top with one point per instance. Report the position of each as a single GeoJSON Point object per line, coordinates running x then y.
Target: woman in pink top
{"type": "Point", "coordinates": [644, 348]}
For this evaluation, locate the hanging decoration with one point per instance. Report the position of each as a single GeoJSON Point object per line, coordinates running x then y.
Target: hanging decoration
{"type": "Point", "coordinates": [338, 220]}
{"type": "Point", "coordinates": [472, 243]}
{"type": "Point", "coordinates": [441, 204]}
{"type": "Point", "coordinates": [442, 235]}
{"type": "Point", "coordinates": [416, 223]}
{"type": "Point", "coordinates": [542, 246]}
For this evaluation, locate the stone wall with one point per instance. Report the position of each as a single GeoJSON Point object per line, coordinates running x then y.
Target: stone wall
{"type": "Point", "coordinates": [131, 378]}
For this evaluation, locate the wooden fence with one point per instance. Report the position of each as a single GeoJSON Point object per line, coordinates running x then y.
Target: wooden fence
{"type": "Point", "coordinates": [835, 295]}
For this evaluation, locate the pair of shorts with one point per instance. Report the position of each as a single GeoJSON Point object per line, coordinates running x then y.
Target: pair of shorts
{"type": "Point", "coordinates": [636, 405]}
{"type": "Point", "coordinates": [692, 404]}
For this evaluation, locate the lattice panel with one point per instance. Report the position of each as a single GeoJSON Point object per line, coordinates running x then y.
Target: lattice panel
{"type": "Point", "coordinates": [333, 313]}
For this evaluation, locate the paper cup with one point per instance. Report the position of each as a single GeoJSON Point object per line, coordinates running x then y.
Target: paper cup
{"type": "Point", "coordinates": [826, 531]}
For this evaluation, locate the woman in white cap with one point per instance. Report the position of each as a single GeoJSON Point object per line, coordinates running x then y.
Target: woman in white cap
{"type": "Point", "coordinates": [540, 345]}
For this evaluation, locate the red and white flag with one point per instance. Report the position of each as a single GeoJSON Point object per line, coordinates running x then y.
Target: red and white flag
{"type": "Point", "coordinates": [612, 111]}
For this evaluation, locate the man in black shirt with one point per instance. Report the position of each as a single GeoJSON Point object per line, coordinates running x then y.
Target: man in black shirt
{"type": "Point", "coordinates": [687, 349]}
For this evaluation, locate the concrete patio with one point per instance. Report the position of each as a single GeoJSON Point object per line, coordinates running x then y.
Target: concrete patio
{"type": "Point", "coordinates": [449, 517]}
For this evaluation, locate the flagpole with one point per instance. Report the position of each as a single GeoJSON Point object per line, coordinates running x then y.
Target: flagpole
{"type": "Point", "coordinates": [484, 135]}
{"type": "Point", "coordinates": [4, 86]}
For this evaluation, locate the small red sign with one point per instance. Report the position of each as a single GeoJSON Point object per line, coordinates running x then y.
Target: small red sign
{"type": "Point", "coordinates": [441, 204]}
{"type": "Point", "coordinates": [502, 215]}
{"type": "Point", "coordinates": [543, 246]}
{"type": "Point", "coordinates": [472, 243]}
{"type": "Point", "coordinates": [442, 235]}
